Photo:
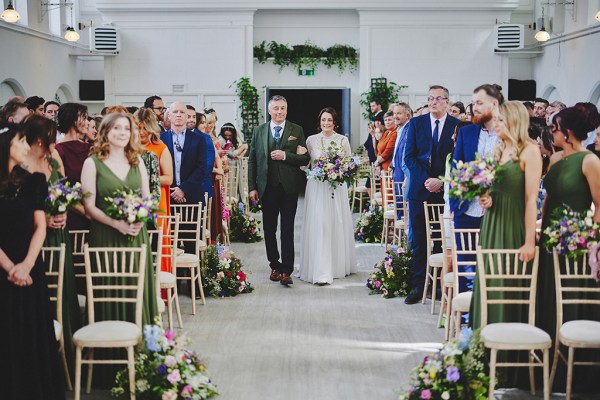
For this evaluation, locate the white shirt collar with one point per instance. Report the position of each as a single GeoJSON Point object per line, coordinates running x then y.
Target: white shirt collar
{"type": "Point", "coordinates": [273, 125]}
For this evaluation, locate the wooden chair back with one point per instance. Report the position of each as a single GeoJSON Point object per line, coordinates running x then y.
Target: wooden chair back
{"type": "Point", "coordinates": [155, 241]}
{"type": "Point", "coordinates": [574, 284]}
{"type": "Point", "coordinates": [434, 215]}
{"type": "Point", "coordinates": [388, 199]}
{"type": "Point", "coordinates": [243, 163]}
{"type": "Point", "coordinates": [505, 280]}
{"type": "Point", "coordinates": [170, 236]}
{"type": "Point", "coordinates": [375, 181]}
{"type": "Point", "coordinates": [115, 275]}
{"type": "Point", "coordinates": [232, 185]}
{"type": "Point", "coordinates": [191, 218]}
{"type": "Point", "coordinates": [78, 239]}
{"type": "Point", "coordinates": [464, 242]}
{"type": "Point", "coordinates": [54, 261]}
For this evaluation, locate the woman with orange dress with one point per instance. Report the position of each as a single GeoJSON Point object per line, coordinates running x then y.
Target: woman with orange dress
{"type": "Point", "coordinates": [385, 147]}
{"type": "Point", "coordinates": [149, 132]}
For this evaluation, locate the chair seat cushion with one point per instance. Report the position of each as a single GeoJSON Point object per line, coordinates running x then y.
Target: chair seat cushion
{"type": "Point", "coordinates": [462, 301]}
{"type": "Point", "coordinates": [436, 260]}
{"type": "Point", "coordinates": [58, 330]}
{"type": "Point", "coordinates": [82, 300]}
{"type": "Point", "coordinates": [361, 189]}
{"type": "Point", "coordinates": [166, 279]}
{"type": "Point", "coordinates": [514, 335]}
{"type": "Point", "coordinates": [580, 333]}
{"type": "Point", "coordinates": [179, 252]}
{"type": "Point", "coordinates": [389, 214]}
{"type": "Point", "coordinates": [186, 258]}
{"type": "Point", "coordinates": [449, 279]}
{"type": "Point", "coordinates": [108, 334]}
{"type": "Point", "coordinates": [399, 223]}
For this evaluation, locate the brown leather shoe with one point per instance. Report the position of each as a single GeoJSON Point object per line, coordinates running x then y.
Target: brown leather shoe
{"type": "Point", "coordinates": [286, 280]}
{"type": "Point", "coordinates": [275, 276]}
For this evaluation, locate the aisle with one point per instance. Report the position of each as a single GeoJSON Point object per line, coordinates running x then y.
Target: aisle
{"type": "Point", "coordinates": [310, 342]}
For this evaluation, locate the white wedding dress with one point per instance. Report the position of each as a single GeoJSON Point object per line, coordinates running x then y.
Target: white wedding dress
{"type": "Point", "coordinates": [328, 240]}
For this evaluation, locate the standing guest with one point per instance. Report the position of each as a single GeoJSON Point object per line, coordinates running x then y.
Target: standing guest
{"type": "Point", "coordinates": [591, 112]}
{"type": "Point", "coordinates": [553, 108]}
{"type": "Point", "coordinates": [211, 152]}
{"type": "Point", "coordinates": [511, 207]}
{"type": "Point", "coordinates": [41, 136]}
{"type": "Point", "coordinates": [14, 112]}
{"type": "Point", "coordinates": [428, 142]}
{"type": "Point", "coordinates": [376, 122]}
{"type": "Point", "coordinates": [274, 176]}
{"type": "Point", "coordinates": [219, 171]}
{"type": "Point", "coordinates": [457, 110]}
{"type": "Point", "coordinates": [230, 141]}
{"type": "Point", "coordinates": [478, 138]}
{"type": "Point", "coordinates": [385, 147]}
{"type": "Point", "coordinates": [30, 351]}
{"type": "Point", "coordinates": [35, 104]}
{"type": "Point", "coordinates": [573, 180]}
{"type": "Point", "coordinates": [595, 148]}
{"type": "Point", "coordinates": [402, 114]}
{"type": "Point", "coordinates": [51, 109]}
{"type": "Point", "coordinates": [156, 104]}
{"type": "Point", "coordinates": [529, 106]}
{"type": "Point", "coordinates": [328, 251]}
{"type": "Point", "coordinates": [72, 120]}
{"type": "Point", "coordinates": [469, 112]}
{"type": "Point", "coordinates": [94, 122]}
{"type": "Point", "coordinates": [539, 107]}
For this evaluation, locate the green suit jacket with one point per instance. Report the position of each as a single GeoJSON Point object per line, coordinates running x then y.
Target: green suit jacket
{"type": "Point", "coordinates": [293, 179]}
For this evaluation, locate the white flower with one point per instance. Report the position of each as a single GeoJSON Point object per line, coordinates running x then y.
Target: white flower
{"type": "Point", "coordinates": [62, 208]}
{"type": "Point", "coordinates": [131, 218]}
{"type": "Point", "coordinates": [446, 395]}
{"type": "Point", "coordinates": [142, 385]}
{"type": "Point", "coordinates": [142, 212]}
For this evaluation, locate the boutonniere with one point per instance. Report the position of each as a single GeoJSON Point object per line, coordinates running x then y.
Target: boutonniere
{"type": "Point", "coordinates": [292, 138]}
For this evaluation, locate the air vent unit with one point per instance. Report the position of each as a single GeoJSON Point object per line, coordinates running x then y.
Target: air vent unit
{"type": "Point", "coordinates": [509, 37]}
{"type": "Point", "coordinates": [105, 39]}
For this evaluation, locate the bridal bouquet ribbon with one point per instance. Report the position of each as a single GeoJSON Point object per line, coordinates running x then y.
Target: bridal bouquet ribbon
{"type": "Point", "coordinates": [62, 197]}
{"type": "Point", "coordinates": [130, 206]}
{"type": "Point", "coordinates": [334, 167]}
{"type": "Point", "coordinates": [571, 233]}
{"type": "Point", "coordinates": [165, 369]}
{"type": "Point", "coordinates": [468, 180]}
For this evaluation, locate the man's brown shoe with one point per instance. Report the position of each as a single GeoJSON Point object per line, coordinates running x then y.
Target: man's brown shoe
{"type": "Point", "coordinates": [286, 280]}
{"type": "Point", "coordinates": [275, 276]}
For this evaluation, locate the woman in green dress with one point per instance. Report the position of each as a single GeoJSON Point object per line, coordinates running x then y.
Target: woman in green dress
{"type": "Point", "coordinates": [509, 221]}
{"type": "Point", "coordinates": [41, 137]}
{"type": "Point", "coordinates": [573, 180]}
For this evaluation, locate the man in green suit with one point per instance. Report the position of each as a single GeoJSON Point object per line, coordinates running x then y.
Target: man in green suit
{"type": "Point", "coordinates": [274, 176]}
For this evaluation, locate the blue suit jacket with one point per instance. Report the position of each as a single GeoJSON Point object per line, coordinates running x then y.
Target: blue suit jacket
{"type": "Point", "coordinates": [210, 163]}
{"type": "Point", "coordinates": [193, 164]}
{"type": "Point", "coordinates": [398, 174]}
{"type": "Point", "coordinates": [417, 154]}
{"type": "Point", "coordinates": [467, 141]}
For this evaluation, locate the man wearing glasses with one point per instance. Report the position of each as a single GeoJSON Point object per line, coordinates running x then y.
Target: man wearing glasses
{"type": "Point", "coordinates": [428, 142]}
{"type": "Point", "coordinates": [158, 106]}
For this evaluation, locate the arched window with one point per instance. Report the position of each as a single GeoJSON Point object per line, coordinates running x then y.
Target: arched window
{"type": "Point", "coordinates": [595, 95]}
{"type": "Point", "coordinates": [10, 88]}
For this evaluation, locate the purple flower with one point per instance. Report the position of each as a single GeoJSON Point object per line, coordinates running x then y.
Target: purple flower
{"type": "Point", "coordinates": [452, 374]}
{"type": "Point", "coordinates": [162, 369]}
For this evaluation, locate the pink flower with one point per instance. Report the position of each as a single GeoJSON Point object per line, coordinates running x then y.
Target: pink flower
{"type": "Point", "coordinates": [241, 288]}
{"type": "Point", "coordinates": [170, 361]}
{"type": "Point", "coordinates": [170, 335]}
{"type": "Point", "coordinates": [174, 377]}
{"type": "Point", "coordinates": [186, 391]}
{"type": "Point", "coordinates": [426, 394]}
{"type": "Point", "coordinates": [169, 395]}
{"type": "Point", "coordinates": [377, 284]}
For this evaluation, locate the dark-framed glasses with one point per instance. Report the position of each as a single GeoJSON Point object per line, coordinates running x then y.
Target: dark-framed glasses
{"type": "Point", "coordinates": [438, 99]}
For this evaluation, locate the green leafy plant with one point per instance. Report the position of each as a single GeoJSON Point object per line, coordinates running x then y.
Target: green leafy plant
{"type": "Point", "coordinates": [243, 226]}
{"type": "Point", "coordinates": [249, 112]}
{"type": "Point", "coordinates": [307, 55]}
{"type": "Point", "coordinates": [382, 91]}
{"type": "Point", "coordinates": [392, 274]}
{"type": "Point", "coordinates": [369, 225]}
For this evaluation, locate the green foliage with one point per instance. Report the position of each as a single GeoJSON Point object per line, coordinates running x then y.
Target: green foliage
{"type": "Point", "coordinates": [249, 112]}
{"type": "Point", "coordinates": [222, 274]}
{"type": "Point", "coordinates": [243, 226]}
{"type": "Point", "coordinates": [392, 274]}
{"type": "Point", "coordinates": [381, 90]}
{"type": "Point", "coordinates": [308, 55]}
{"type": "Point", "coordinates": [369, 226]}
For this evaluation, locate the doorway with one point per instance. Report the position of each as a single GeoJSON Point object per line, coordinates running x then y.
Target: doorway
{"type": "Point", "coordinates": [304, 106]}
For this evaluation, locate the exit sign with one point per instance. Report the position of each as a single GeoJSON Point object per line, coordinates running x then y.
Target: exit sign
{"type": "Point", "coordinates": [306, 72]}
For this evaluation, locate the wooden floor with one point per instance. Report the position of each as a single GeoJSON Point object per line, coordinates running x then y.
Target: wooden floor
{"type": "Point", "coordinates": [309, 342]}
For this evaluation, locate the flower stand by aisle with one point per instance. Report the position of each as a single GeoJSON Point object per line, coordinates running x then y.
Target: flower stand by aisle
{"type": "Point", "coordinates": [222, 274]}
{"type": "Point", "coordinates": [392, 275]}
{"type": "Point", "coordinates": [458, 371]}
{"type": "Point", "coordinates": [369, 225]}
{"type": "Point", "coordinates": [165, 370]}
{"type": "Point", "coordinates": [243, 226]}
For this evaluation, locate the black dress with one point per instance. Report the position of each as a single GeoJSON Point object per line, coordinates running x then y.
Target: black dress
{"type": "Point", "coordinates": [30, 366]}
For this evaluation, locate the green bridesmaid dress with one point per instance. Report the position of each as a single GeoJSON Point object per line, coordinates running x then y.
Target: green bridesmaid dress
{"type": "Point", "coordinates": [565, 186]}
{"type": "Point", "coordinates": [70, 307]}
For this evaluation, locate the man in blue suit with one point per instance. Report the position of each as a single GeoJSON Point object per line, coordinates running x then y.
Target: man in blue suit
{"type": "Point", "coordinates": [481, 139]}
{"type": "Point", "coordinates": [428, 142]}
{"type": "Point", "coordinates": [402, 113]}
{"type": "Point", "coordinates": [192, 121]}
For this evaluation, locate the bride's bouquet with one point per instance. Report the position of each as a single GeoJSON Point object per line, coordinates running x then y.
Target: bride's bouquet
{"type": "Point", "coordinates": [471, 179]}
{"type": "Point", "coordinates": [62, 197]}
{"type": "Point", "coordinates": [334, 167]}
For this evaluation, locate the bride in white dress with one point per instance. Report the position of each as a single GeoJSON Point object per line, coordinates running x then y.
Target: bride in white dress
{"type": "Point", "coordinates": [328, 240]}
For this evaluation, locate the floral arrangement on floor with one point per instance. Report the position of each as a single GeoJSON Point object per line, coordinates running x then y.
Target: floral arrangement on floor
{"type": "Point", "coordinates": [457, 371]}
{"type": "Point", "coordinates": [166, 370]}
{"type": "Point", "coordinates": [571, 233]}
{"type": "Point", "coordinates": [369, 225]}
{"type": "Point", "coordinates": [222, 274]}
{"type": "Point", "coordinates": [255, 207]}
{"type": "Point", "coordinates": [62, 197]}
{"type": "Point", "coordinates": [467, 180]}
{"type": "Point", "coordinates": [243, 226]}
{"type": "Point", "coordinates": [334, 167]}
{"type": "Point", "coordinates": [392, 274]}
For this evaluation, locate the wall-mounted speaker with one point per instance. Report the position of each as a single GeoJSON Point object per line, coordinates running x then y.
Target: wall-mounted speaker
{"type": "Point", "coordinates": [521, 90]}
{"type": "Point", "coordinates": [91, 90]}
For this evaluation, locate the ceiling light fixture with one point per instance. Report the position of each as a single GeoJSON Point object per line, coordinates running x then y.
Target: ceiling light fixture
{"type": "Point", "coordinates": [71, 35]}
{"type": "Point", "coordinates": [542, 35]}
{"type": "Point", "coordinates": [10, 14]}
